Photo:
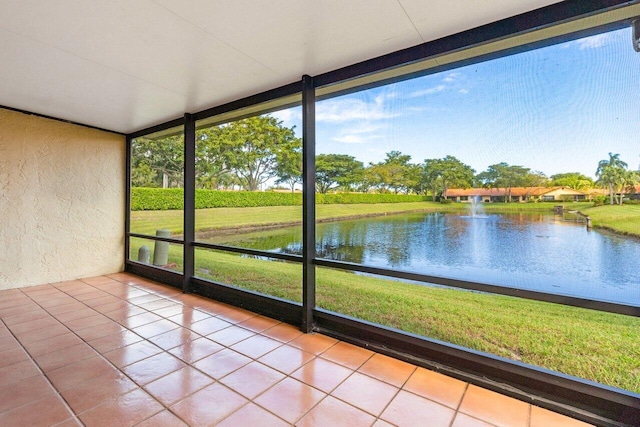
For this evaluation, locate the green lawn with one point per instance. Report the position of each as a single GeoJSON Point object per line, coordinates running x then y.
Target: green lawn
{"type": "Point", "coordinates": [598, 346]}
{"type": "Point", "coordinates": [623, 219]}
{"type": "Point", "coordinates": [146, 222]}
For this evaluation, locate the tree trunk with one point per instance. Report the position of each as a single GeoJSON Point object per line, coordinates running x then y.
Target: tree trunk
{"type": "Point", "coordinates": [611, 194]}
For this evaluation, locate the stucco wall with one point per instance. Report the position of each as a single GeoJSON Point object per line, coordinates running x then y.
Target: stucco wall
{"type": "Point", "coordinates": [61, 201]}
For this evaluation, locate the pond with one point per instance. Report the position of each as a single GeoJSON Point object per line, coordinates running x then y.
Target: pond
{"type": "Point", "coordinates": [528, 251]}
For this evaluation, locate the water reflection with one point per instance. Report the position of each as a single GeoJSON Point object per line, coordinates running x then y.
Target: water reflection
{"type": "Point", "coordinates": [537, 251]}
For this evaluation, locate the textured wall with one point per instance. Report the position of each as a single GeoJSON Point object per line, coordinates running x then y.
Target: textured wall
{"type": "Point", "coordinates": [61, 201]}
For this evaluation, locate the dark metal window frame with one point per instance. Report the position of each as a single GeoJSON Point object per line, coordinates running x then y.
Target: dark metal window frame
{"type": "Point", "coordinates": [586, 400]}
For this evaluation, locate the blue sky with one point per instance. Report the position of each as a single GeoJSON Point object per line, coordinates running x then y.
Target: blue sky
{"type": "Point", "coordinates": [557, 109]}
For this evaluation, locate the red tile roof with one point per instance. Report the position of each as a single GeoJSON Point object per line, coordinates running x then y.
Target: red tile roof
{"type": "Point", "coordinates": [515, 191]}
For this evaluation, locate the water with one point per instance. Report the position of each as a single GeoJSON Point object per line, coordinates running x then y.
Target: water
{"type": "Point", "coordinates": [475, 207]}
{"type": "Point", "coordinates": [527, 251]}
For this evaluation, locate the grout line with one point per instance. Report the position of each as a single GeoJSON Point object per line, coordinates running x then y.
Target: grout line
{"type": "Point", "coordinates": [98, 353]}
{"type": "Point", "coordinates": [194, 367]}
{"type": "Point", "coordinates": [119, 369]}
{"type": "Point", "coordinates": [388, 403]}
{"type": "Point", "coordinates": [46, 378]}
{"type": "Point", "coordinates": [457, 408]}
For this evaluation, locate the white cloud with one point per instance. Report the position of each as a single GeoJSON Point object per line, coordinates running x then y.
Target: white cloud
{"type": "Point", "coordinates": [380, 99]}
{"type": "Point", "coordinates": [357, 120]}
{"type": "Point", "coordinates": [593, 42]}
{"type": "Point", "coordinates": [286, 115]}
{"type": "Point", "coordinates": [463, 91]}
{"type": "Point", "coordinates": [451, 77]}
{"type": "Point", "coordinates": [350, 139]}
{"type": "Point", "coordinates": [348, 109]}
{"type": "Point", "coordinates": [366, 127]}
{"type": "Point", "coordinates": [360, 133]}
{"type": "Point", "coordinates": [429, 91]}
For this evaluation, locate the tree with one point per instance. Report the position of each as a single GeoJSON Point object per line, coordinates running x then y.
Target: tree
{"type": "Point", "coordinates": [212, 170]}
{"type": "Point", "coordinates": [413, 179]}
{"type": "Point", "coordinates": [535, 179]}
{"type": "Point", "coordinates": [394, 173]}
{"type": "Point", "coordinates": [289, 169]}
{"type": "Point", "coordinates": [142, 175]}
{"type": "Point", "coordinates": [574, 180]}
{"type": "Point", "coordinates": [337, 170]}
{"type": "Point", "coordinates": [252, 147]}
{"type": "Point", "coordinates": [157, 162]}
{"type": "Point", "coordinates": [441, 174]}
{"type": "Point", "coordinates": [375, 176]}
{"type": "Point", "coordinates": [629, 182]}
{"type": "Point", "coordinates": [503, 175]}
{"type": "Point", "coordinates": [612, 173]}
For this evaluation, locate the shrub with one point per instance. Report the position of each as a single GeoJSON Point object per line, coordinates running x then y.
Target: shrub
{"type": "Point", "coordinates": [244, 199]}
{"type": "Point", "coordinates": [173, 198]}
{"type": "Point", "coordinates": [351, 198]}
{"type": "Point", "coordinates": [446, 201]}
{"type": "Point", "coordinates": [599, 200]}
{"type": "Point", "coordinates": [156, 199]}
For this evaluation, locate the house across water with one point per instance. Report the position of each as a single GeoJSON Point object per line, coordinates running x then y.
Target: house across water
{"type": "Point", "coordinates": [516, 194]}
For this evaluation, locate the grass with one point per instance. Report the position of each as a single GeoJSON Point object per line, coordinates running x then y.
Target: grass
{"type": "Point", "coordinates": [623, 219]}
{"type": "Point", "coordinates": [146, 222]}
{"type": "Point", "coordinates": [601, 347]}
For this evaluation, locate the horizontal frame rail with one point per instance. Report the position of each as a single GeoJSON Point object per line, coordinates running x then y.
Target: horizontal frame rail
{"type": "Point", "coordinates": [246, 251]}
{"type": "Point", "coordinates": [169, 277]}
{"type": "Point", "coordinates": [279, 92]}
{"type": "Point", "coordinates": [158, 238]}
{"type": "Point", "coordinates": [276, 308]}
{"type": "Point", "coordinates": [609, 307]}
{"type": "Point", "coordinates": [158, 128]}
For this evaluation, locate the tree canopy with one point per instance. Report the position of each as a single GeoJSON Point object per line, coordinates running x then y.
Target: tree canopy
{"type": "Point", "coordinates": [395, 173]}
{"type": "Point", "coordinates": [246, 152]}
{"type": "Point", "coordinates": [574, 180]}
{"type": "Point", "coordinates": [289, 168]}
{"type": "Point", "coordinates": [612, 173]}
{"type": "Point", "coordinates": [157, 162]}
{"type": "Point", "coordinates": [504, 175]}
{"type": "Point", "coordinates": [252, 147]}
{"type": "Point", "coordinates": [337, 170]}
{"type": "Point", "coordinates": [441, 174]}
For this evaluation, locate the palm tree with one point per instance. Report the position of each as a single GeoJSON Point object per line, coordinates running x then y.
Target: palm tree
{"type": "Point", "coordinates": [629, 181]}
{"type": "Point", "coordinates": [612, 173]}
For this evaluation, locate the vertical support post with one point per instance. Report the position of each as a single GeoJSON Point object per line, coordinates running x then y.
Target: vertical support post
{"type": "Point", "coordinates": [127, 202]}
{"type": "Point", "coordinates": [188, 264]}
{"type": "Point", "coordinates": [308, 202]}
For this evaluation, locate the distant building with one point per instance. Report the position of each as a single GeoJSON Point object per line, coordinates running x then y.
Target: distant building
{"type": "Point", "coordinates": [517, 194]}
{"type": "Point", "coordinates": [634, 194]}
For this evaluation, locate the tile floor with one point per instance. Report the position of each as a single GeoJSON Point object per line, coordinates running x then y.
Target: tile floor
{"type": "Point", "coordinates": [119, 350]}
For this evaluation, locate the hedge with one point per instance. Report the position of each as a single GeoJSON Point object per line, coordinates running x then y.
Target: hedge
{"type": "Point", "coordinates": [172, 198]}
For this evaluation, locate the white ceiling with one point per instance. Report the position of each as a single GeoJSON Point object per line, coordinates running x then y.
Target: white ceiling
{"type": "Point", "coordinates": [124, 65]}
